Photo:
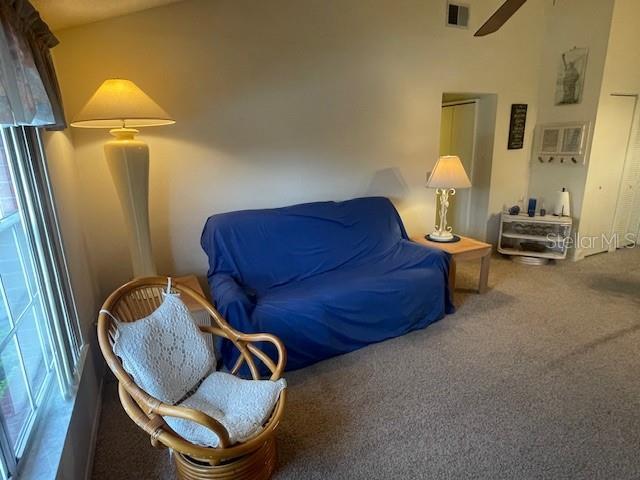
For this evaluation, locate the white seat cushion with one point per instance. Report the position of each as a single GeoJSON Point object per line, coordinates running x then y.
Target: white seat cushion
{"type": "Point", "coordinates": [241, 406]}
{"type": "Point", "coordinates": [165, 353]}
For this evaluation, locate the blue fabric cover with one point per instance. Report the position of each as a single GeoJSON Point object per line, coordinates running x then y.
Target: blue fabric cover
{"type": "Point", "coordinates": [326, 278]}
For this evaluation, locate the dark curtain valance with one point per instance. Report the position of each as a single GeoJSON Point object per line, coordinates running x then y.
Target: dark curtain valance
{"type": "Point", "coordinates": [29, 90]}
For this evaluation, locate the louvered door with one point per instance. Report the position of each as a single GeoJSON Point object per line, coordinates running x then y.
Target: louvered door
{"type": "Point", "coordinates": [627, 218]}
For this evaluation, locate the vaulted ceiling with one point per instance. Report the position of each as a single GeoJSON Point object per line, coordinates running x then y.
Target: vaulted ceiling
{"type": "Point", "coordinates": [61, 14]}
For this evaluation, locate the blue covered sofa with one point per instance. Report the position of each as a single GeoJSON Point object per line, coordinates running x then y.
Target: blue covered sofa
{"type": "Point", "coordinates": [326, 277]}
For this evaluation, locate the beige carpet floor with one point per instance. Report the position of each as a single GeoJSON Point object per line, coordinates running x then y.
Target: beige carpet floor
{"type": "Point", "coordinates": [537, 379]}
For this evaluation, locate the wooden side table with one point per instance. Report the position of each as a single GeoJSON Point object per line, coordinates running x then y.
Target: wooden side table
{"type": "Point", "coordinates": [464, 250]}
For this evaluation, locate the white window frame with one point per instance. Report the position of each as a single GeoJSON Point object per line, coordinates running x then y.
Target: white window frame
{"type": "Point", "coordinates": [36, 210]}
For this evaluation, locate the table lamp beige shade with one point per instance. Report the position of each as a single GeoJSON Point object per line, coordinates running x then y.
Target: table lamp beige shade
{"type": "Point", "coordinates": [447, 175]}
{"type": "Point", "coordinates": [122, 106]}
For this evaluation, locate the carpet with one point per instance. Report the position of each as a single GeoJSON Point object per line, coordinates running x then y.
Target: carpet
{"type": "Point", "coordinates": [537, 379]}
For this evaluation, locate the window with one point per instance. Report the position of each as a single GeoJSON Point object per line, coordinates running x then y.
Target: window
{"type": "Point", "coordinates": [35, 344]}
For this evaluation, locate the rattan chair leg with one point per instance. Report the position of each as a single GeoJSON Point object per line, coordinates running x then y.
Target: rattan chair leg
{"type": "Point", "coordinates": [257, 465]}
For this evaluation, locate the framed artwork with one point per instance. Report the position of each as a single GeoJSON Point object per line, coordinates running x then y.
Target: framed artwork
{"type": "Point", "coordinates": [563, 143]}
{"type": "Point", "coordinates": [571, 72]}
{"type": "Point", "coordinates": [550, 142]}
{"type": "Point", "coordinates": [572, 140]}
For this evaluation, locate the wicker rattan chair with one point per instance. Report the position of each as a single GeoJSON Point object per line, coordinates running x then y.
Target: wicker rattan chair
{"type": "Point", "coordinates": [253, 459]}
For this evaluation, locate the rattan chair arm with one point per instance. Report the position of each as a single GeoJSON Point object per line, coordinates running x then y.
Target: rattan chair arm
{"type": "Point", "coordinates": [229, 333]}
{"type": "Point", "coordinates": [153, 426]}
{"type": "Point", "coordinates": [195, 416]}
{"type": "Point", "coordinates": [280, 348]}
{"type": "Point", "coordinates": [243, 341]}
{"type": "Point", "coordinates": [165, 436]}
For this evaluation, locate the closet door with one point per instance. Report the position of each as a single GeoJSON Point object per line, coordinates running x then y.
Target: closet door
{"type": "Point", "coordinates": [446, 125]}
{"type": "Point", "coordinates": [627, 218]}
{"type": "Point", "coordinates": [616, 114]}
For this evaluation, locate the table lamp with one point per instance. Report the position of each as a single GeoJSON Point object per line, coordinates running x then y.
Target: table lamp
{"type": "Point", "coordinates": [121, 106]}
{"type": "Point", "coordinates": [446, 176]}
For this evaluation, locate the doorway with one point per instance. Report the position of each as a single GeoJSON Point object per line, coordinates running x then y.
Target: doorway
{"type": "Point", "coordinates": [467, 130]}
{"type": "Point", "coordinates": [458, 137]}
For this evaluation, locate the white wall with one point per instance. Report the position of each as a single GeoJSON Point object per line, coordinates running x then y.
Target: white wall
{"type": "Point", "coordinates": [482, 227]}
{"type": "Point", "coordinates": [66, 182]}
{"type": "Point", "coordinates": [622, 70]}
{"type": "Point", "coordinates": [570, 23]}
{"type": "Point", "coordinates": [286, 101]}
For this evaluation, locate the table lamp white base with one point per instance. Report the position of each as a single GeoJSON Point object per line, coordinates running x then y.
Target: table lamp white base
{"type": "Point", "coordinates": [438, 236]}
{"type": "Point", "coordinates": [443, 233]}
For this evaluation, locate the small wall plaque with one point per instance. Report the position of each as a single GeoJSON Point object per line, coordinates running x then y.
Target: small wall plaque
{"type": "Point", "coordinates": [517, 126]}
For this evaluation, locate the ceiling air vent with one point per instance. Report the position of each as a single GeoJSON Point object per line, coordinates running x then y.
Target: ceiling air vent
{"type": "Point", "coordinates": [457, 15]}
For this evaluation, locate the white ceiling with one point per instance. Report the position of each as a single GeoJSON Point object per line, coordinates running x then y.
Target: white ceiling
{"type": "Point", "coordinates": [61, 14]}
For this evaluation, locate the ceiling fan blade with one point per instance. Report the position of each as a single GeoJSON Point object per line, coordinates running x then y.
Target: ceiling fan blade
{"type": "Point", "coordinates": [499, 17]}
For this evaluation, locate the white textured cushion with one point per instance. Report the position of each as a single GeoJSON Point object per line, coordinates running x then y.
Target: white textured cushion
{"type": "Point", "coordinates": [166, 353]}
{"type": "Point", "coordinates": [241, 406]}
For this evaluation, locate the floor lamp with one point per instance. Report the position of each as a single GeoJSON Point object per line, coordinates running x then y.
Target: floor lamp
{"type": "Point", "coordinates": [446, 176]}
{"type": "Point", "coordinates": [122, 107]}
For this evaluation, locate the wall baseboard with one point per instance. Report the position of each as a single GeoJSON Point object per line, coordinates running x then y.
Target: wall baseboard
{"type": "Point", "coordinates": [76, 461]}
{"type": "Point", "coordinates": [95, 427]}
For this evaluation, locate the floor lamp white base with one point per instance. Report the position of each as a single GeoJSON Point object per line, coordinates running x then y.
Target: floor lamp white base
{"type": "Point", "coordinates": [128, 161]}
